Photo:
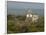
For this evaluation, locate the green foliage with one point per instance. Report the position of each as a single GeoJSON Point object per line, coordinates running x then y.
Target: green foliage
{"type": "Point", "coordinates": [16, 27]}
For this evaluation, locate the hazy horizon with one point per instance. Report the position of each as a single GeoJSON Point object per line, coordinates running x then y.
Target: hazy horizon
{"type": "Point", "coordinates": [19, 8]}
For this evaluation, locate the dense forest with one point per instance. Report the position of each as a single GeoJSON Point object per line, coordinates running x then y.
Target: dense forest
{"type": "Point", "coordinates": [17, 24]}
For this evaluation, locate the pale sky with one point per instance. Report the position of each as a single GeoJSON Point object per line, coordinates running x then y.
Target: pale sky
{"type": "Point", "coordinates": [20, 7]}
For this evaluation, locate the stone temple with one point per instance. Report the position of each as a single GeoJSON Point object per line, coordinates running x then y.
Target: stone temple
{"type": "Point", "coordinates": [31, 17]}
